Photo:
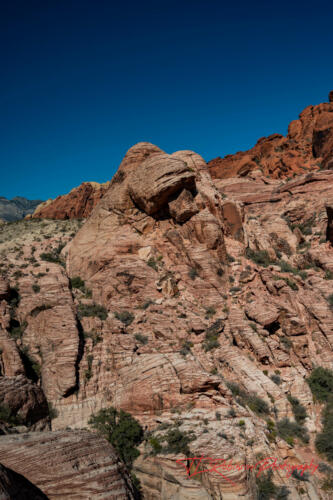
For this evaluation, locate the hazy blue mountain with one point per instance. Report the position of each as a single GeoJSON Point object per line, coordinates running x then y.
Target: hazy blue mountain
{"type": "Point", "coordinates": [17, 208]}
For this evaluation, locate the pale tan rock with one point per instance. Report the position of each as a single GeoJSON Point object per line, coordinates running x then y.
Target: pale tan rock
{"type": "Point", "coordinates": [183, 207]}
{"type": "Point", "coordinates": [67, 465]}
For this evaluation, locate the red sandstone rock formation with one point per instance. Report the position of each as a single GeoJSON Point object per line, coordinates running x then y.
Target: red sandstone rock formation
{"type": "Point", "coordinates": [203, 284]}
{"type": "Point", "coordinates": [307, 147]}
{"type": "Point", "coordinates": [77, 204]}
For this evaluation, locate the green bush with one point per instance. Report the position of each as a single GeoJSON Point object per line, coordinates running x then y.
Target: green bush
{"type": "Point", "coordinates": [52, 257]}
{"type": "Point", "coordinates": [212, 335]}
{"type": "Point", "coordinates": [178, 441]}
{"type": "Point", "coordinates": [260, 257]}
{"type": "Point", "coordinates": [254, 402]}
{"type": "Point", "coordinates": [324, 440]}
{"type": "Point", "coordinates": [266, 489]}
{"type": "Point", "coordinates": [288, 430]}
{"type": "Point", "coordinates": [186, 348]}
{"type": "Point", "coordinates": [152, 263]}
{"type": "Point", "coordinates": [122, 430]}
{"type": "Point", "coordinates": [276, 379]}
{"type": "Point", "coordinates": [125, 317]}
{"type": "Point", "coordinates": [92, 310]}
{"type": "Point", "coordinates": [330, 300]}
{"type": "Point", "coordinates": [141, 338]}
{"type": "Point", "coordinates": [321, 383]}
{"type": "Point", "coordinates": [298, 410]}
{"type": "Point", "coordinates": [78, 283]}
{"type": "Point", "coordinates": [36, 288]}
{"type": "Point", "coordinates": [193, 273]}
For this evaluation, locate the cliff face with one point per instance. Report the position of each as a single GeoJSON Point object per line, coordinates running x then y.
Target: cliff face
{"type": "Point", "coordinates": [77, 204]}
{"type": "Point", "coordinates": [307, 147]}
{"type": "Point", "coordinates": [206, 304]}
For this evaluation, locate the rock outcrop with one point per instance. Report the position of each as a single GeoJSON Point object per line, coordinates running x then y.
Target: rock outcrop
{"type": "Point", "coordinates": [77, 204]}
{"type": "Point", "coordinates": [14, 486]}
{"type": "Point", "coordinates": [307, 147]}
{"type": "Point", "coordinates": [199, 305]}
{"type": "Point", "coordinates": [67, 465]}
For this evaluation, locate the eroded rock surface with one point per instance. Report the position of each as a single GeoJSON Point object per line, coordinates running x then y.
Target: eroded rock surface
{"type": "Point", "coordinates": [67, 465]}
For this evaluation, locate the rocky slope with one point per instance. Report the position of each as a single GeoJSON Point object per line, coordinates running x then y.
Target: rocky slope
{"type": "Point", "coordinates": [77, 204]}
{"type": "Point", "coordinates": [17, 208]}
{"type": "Point", "coordinates": [307, 147]}
{"type": "Point", "coordinates": [202, 307]}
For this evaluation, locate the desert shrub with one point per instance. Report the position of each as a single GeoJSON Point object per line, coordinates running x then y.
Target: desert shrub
{"type": "Point", "coordinates": [92, 310]}
{"type": "Point", "coordinates": [286, 342]}
{"type": "Point", "coordinates": [186, 348]}
{"type": "Point", "coordinates": [141, 338]}
{"type": "Point", "coordinates": [324, 440]}
{"type": "Point", "coordinates": [210, 311]}
{"type": "Point", "coordinates": [260, 257]}
{"type": "Point", "coordinates": [78, 283]}
{"type": "Point", "coordinates": [156, 445]}
{"type": "Point", "coordinates": [291, 284]}
{"type": "Point", "coordinates": [88, 373]}
{"type": "Point", "coordinates": [299, 410]}
{"type": "Point", "coordinates": [288, 430]}
{"type": "Point", "coordinates": [254, 402]}
{"type": "Point", "coordinates": [52, 257]}
{"type": "Point", "coordinates": [328, 275]}
{"type": "Point", "coordinates": [299, 476]}
{"type": "Point", "coordinates": [266, 489]}
{"type": "Point", "coordinates": [330, 300]}
{"type": "Point", "coordinates": [276, 379]}
{"type": "Point", "coordinates": [16, 329]}
{"type": "Point", "coordinates": [125, 317]}
{"type": "Point", "coordinates": [212, 335]}
{"type": "Point", "coordinates": [193, 273]}
{"type": "Point", "coordinates": [36, 288]}
{"type": "Point", "coordinates": [178, 441]}
{"type": "Point", "coordinates": [122, 430]}
{"type": "Point", "coordinates": [321, 383]}
{"type": "Point", "coordinates": [152, 263]}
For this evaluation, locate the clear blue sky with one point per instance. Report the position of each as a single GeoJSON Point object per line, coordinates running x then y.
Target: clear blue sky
{"type": "Point", "coordinates": [82, 81]}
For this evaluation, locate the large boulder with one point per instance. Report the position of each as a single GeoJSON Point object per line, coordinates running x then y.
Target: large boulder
{"type": "Point", "coordinates": [67, 465]}
{"type": "Point", "coordinates": [25, 400]}
{"type": "Point", "coordinates": [159, 177]}
{"type": "Point", "coordinates": [13, 486]}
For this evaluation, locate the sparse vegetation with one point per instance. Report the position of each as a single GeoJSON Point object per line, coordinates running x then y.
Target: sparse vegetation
{"type": "Point", "coordinates": [92, 310]}
{"type": "Point", "coordinates": [212, 335]}
{"type": "Point", "coordinates": [321, 383]}
{"type": "Point", "coordinates": [125, 317]}
{"type": "Point", "coordinates": [186, 348]}
{"type": "Point", "coordinates": [78, 283]}
{"type": "Point", "coordinates": [260, 257]}
{"type": "Point", "coordinates": [35, 287]}
{"type": "Point", "coordinates": [193, 273]}
{"type": "Point", "coordinates": [141, 338]}
{"type": "Point", "coordinates": [299, 410]}
{"type": "Point", "coordinates": [288, 430]}
{"type": "Point", "coordinates": [254, 402]}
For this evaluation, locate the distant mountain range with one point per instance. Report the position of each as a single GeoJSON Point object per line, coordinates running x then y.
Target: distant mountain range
{"type": "Point", "coordinates": [17, 208]}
